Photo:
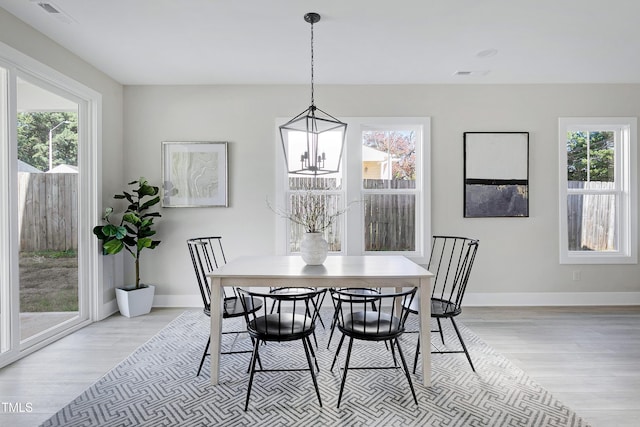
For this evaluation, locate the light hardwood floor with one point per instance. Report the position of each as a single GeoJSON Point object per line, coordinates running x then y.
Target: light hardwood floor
{"type": "Point", "coordinates": [588, 357]}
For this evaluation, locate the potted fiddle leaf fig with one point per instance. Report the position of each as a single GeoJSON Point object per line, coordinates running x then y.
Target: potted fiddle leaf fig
{"type": "Point", "coordinates": [132, 233]}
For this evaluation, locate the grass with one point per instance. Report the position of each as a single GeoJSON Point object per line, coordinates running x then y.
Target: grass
{"type": "Point", "coordinates": [69, 253]}
{"type": "Point", "coordinates": [48, 281]}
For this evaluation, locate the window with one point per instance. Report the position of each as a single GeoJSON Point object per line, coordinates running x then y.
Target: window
{"type": "Point", "coordinates": [381, 184]}
{"type": "Point", "coordinates": [598, 190]}
{"type": "Point", "coordinates": [389, 189]}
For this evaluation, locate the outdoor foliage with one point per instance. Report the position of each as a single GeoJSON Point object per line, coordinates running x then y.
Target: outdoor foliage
{"type": "Point", "coordinates": [402, 148]}
{"type": "Point", "coordinates": [590, 156]}
{"type": "Point", "coordinates": [33, 139]}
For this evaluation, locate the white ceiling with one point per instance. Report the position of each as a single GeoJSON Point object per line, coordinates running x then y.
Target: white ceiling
{"type": "Point", "coordinates": [356, 41]}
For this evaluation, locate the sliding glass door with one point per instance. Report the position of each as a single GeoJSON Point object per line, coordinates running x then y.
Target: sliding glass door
{"type": "Point", "coordinates": [47, 206]}
{"type": "Point", "coordinates": [47, 227]}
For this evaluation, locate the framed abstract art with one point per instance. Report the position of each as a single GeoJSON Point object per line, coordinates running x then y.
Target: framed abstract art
{"type": "Point", "coordinates": [496, 174]}
{"type": "Point", "coordinates": [194, 174]}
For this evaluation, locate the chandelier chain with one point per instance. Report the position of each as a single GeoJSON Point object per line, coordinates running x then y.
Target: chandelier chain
{"type": "Point", "coordinates": [312, 100]}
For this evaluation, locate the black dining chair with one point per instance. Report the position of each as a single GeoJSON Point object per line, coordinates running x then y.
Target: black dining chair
{"type": "Point", "coordinates": [368, 294]}
{"type": "Point", "coordinates": [294, 289]}
{"type": "Point", "coordinates": [451, 260]}
{"type": "Point", "coordinates": [359, 321]}
{"type": "Point", "coordinates": [277, 302]}
{"type": "Point", "coordinates": [294, 320]}
{"type": "Point", "coordinates": [207, 255]}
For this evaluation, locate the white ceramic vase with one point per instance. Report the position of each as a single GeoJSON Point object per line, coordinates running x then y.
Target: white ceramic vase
{"type": "Point", "coordinates": [314, 248]}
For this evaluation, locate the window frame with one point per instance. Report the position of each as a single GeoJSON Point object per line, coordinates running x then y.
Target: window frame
{"type": "Point", "coordinates": [625, 129]}
{"type": "Point", "coordinates": [352, 186]}
{"type": "Point", "coordinates": [417, 191]}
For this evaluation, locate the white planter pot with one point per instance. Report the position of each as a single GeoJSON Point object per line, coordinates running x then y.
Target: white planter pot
{"type": "Point", "coordinates": [314, 248]}
{"type": "Point", "coordinates": [135, 302]}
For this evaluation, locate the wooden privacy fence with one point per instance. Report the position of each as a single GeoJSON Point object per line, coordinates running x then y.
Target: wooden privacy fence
{"type": "Point", "coordinates": [48, 211]}
{"type": "Point", "coordinates": [591, 218]}
{"type": "Point", "coordinates": [390, 221]}
{"type": "Point", "coordinates": [389, 218]}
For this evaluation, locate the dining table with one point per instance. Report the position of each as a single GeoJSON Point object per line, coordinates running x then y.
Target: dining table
{"type": "Point", "coordinates": [367, 271]}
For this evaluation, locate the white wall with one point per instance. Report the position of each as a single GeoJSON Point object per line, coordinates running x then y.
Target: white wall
{"type": "Point", "coordinates": [517, 256]}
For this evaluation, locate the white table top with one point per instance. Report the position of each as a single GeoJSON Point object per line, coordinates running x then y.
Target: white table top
{"type": "Point", "coordinates": [343, 267]}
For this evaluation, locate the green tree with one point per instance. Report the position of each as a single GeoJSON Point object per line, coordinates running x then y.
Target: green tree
{"type": "Point", "coordinates": [591, 152]}
{"type": "Point", "coordinates": [33, 138]}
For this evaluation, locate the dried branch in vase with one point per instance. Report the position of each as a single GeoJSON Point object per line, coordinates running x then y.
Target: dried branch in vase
{"type": "Point", "coordinates": [314, 210]}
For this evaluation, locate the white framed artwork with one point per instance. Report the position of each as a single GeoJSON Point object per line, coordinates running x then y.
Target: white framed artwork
{"type": "Point", "coordinates": [194, 174]}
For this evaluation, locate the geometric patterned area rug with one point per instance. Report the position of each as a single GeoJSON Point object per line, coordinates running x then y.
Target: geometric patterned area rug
{"type": "Point", "coordinates": [157, 386]}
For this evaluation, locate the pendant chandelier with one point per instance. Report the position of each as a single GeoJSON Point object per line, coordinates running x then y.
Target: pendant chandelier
{"type": "Point", "coordinates": [313, 140]}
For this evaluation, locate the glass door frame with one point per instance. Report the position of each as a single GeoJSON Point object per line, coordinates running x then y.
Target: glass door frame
{"type": "Point", "coordinates": [16, 65]}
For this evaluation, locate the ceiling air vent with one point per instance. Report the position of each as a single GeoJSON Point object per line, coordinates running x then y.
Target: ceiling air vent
{"type": "Point", "coordinates": [475, 73]}
{"type": "Point", "coordinates": [48, 7]}
{"type": "Point", "coordinates": [53, 10]}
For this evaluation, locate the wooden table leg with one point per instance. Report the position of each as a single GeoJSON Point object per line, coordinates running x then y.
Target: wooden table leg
{"type": "Point", "coordinates": [425, 329]}
{"type": "Point", "coordinates": [216, 328]}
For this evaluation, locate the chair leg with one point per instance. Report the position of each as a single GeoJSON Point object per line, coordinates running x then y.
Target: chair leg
{"type": "Point", "coordinates": [333, 323]}
{"type": "Point", "coordinates": [255, 355]}
{"type": "Point", "coordinates": [307, 349]}
{"type": "Point", "coordinates": [406, 370]}
{"type": "Point", "coordinates": [203, 356]}
{"type": "Point", "coordinates": [393, 352]}
{"type": "Point", "coordinates": [273, 306]}
{"type": "Point", "coordinates": [253, 342]}
{"type": "Point", "coordinates": [253, 371]}
{"type": "Point", "coordinates": [464, 347]}
{"type": "Point", "coordinates": [346, 367]}
{"type": "Point", "coordinates": [317, 308]}
{"type": "Point", "coordinates": [440, 329]}
{"type": "Point", "coordinates": [335, 357]}
{"type": "Point", "coordinates": [415, 360]}
{"type": "Point", "coordinates": [313, 354]}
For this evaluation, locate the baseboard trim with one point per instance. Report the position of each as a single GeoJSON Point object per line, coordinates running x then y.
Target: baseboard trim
{"type": "Point", "coordinates": [551, 299]}
{"type": "Point", "coordinates": [177, 300]}
{"type": "Point", "coordinates": [108, 309]}
{"type": "Point", "coordinates": [477, 299]}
